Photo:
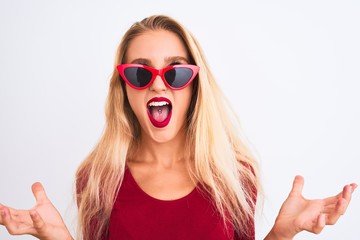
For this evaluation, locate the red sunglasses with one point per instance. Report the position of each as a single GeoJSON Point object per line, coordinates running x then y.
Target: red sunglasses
{"type": "Point", "coordinates": [175, 77]}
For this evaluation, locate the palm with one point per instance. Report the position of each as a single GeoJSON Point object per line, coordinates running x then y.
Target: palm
{"type": "Point", "coordinates": [49, 214]}
{"type": "Point", "coordinates": [300, 212]}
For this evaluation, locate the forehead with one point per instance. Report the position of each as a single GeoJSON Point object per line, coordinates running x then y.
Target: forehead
{"type": "Point", "coordinates": [156, 46]}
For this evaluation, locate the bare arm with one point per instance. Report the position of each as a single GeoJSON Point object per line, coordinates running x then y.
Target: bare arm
{"type": "Point", "coordinates": [43, 221]}
{"type": "Point", "coordinates": [298, 214]}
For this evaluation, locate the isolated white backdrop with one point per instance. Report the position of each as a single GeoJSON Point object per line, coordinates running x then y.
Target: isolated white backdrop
{"type": "Point", "coordinates": [291, 70]}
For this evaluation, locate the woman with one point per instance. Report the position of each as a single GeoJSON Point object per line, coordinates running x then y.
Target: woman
{"type": "Point", "coordinates": [170, 164]}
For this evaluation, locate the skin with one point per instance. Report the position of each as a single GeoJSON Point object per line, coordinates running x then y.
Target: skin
{"type": "Point", "coordinates": [43, 221]}
{"type": "Point", "coordinates": [159, 168]}
{"type": "Point", "coordinates": [298, 213]}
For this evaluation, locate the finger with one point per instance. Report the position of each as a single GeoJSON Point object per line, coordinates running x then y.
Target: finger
{"type": "Point", "coordinates": [328, 209]}
{"type": "Point", "coordinates": [343, 202]}
{"type": "Point", "coordinates": [336, 206]}
{"type": "Point", "coordinates": [39, 192]}
{"type": "Point", "coordinates": [297, 187]}
{"type": "Point", "coordinates": [339, 210]}
{"type": "Point", "coordinates": [2, 215]}
{"type": "Point", "coordinates": [332, 200]}
{"type": "Point", "coordinates": [320, 224]}
{"type": "Point", "coordinates": [38, 222]}
{"type": "Point", "coordinates": [8, 222]}
{"type": "Point", "coordinates": [18, 216]}
{"type": "Point", "coordinates": [348, 190]}
{"type": "Point", "coordinates": [5, 217]}
{"type": "Point", "coordinates": [341, 206]}
{"type": "Point", "coordinates": [345, 193]}
{"type": "Point", "coordinates": [1, 209]}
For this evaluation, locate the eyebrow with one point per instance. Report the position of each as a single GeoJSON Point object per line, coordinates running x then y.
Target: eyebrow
{"type": "Point", "coordinates": [171, 59]}
{"type": "Point", "coordinates": [176, 58]}
{"type": "Point", "coordinates": [141, 61]}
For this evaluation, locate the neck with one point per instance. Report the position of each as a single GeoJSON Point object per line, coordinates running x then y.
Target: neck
{"type": "Point", "coordinates": [162, 154]}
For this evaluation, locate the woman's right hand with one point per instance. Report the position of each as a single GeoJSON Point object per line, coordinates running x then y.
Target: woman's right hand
{"type": "Point", "coordinates": [43, 221]}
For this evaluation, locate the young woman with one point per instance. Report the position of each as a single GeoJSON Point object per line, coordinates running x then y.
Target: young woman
{"type": "Point", "coordinates": [171, 163]}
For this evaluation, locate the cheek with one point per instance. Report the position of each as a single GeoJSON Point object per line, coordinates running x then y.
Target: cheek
{"type": "Point", "coordinates": [135, 99]}
{"type": "Point", "coordinates": [185, 98]}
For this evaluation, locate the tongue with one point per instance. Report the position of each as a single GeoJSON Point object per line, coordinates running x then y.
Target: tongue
{"type": "Point", "coordinates": [160, 113]}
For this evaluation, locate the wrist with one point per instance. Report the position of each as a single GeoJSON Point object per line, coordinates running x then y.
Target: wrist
{"type": "Point", "coordinates": [275, 235]}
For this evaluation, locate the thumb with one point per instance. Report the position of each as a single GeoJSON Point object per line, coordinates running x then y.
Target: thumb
{"type": "Point", "coordinates": [39, 192]}
{"type": "Point", "coordinates": [297, 187]}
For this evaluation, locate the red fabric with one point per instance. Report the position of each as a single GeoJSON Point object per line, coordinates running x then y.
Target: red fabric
{"type": "Point", "coordinates": [138, 216]}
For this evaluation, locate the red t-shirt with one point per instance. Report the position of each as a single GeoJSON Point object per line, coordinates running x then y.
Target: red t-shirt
{"type": "Point", "coordinates": [138, 216]}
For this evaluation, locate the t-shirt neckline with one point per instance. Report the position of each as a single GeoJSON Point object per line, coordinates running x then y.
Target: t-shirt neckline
{"type": "Point", "coordinates": [148, 196]}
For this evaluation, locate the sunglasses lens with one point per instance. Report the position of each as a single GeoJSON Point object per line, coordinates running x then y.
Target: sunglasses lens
{"type": "Point", "coordinates": [178, 77]}
{"type": "Point", "coordinates": [138, 77]}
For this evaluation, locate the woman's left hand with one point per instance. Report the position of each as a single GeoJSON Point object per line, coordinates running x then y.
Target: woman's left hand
{"type": "Point", "coordinates": [298, 214]}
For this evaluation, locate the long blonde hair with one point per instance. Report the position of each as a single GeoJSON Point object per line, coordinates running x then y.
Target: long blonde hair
{"type": "Point", "coordinates": [221, 162]}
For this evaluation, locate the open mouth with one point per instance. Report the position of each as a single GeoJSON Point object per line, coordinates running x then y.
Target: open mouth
{"type": "Point", "coordinates": [159, 111]}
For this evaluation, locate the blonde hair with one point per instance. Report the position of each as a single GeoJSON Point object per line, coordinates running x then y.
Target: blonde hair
{"type": "Point", "coordinates": [220, 160]}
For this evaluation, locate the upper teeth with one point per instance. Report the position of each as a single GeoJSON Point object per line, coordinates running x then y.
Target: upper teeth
{"type": "Point", "coordinates": [157, 104]}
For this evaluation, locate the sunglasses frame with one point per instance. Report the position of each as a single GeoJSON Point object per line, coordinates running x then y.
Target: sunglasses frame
{"type": "Point", "coordinates": [157, 72]}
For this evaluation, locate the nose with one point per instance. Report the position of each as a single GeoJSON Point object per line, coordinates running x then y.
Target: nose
{"type": "Point", "coordinates": [158, 85]}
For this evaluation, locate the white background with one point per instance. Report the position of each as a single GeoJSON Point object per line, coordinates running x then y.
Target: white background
{"type": "Point", "coordinates": [290, 68]}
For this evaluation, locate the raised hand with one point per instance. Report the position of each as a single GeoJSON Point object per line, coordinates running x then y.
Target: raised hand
{"type": "Point", "coordinates": [298, 214]}
{"type": "Point", "coordinates": [42, 221]}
